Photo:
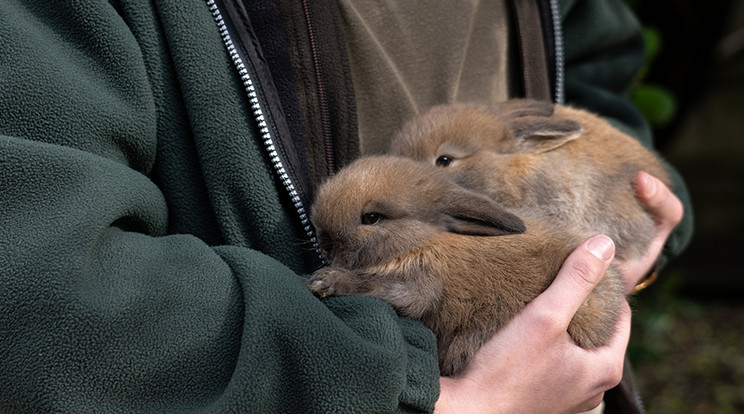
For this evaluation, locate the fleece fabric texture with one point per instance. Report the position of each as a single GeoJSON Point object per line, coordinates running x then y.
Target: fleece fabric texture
{"type": "Point", "coordinates": [148, 263]}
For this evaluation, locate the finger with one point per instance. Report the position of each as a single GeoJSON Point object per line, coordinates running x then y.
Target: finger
{"type": "Point", "coordinates": [615, 350]}
{"type": "Point", "coordinates": [622, 334]}
{"type": "Point", "coordinates": [667, 211]}
{"type": "Point", "coordinates": [634, 271]}
{"type": "Point", "coordinates": [659, 201]}
{"type": "Point", "coordinates": [578, 276]}
{"type": "Point", "coordinates": [606, 363]}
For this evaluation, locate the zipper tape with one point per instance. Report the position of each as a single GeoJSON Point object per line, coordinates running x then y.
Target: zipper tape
{"type": "Point", "coordinates": [265, 131]}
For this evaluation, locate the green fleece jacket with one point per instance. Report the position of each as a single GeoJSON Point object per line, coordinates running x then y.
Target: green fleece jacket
{"type": "Point", "coordinates": [148, 264]}
{"type": "Point", "coordinates": [149, 261]}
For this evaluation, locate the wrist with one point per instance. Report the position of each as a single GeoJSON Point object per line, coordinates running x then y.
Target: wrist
{"type": "Point", "coordinates": [459, 395]}
{"type": "Point", "coordinates": [453, 397]}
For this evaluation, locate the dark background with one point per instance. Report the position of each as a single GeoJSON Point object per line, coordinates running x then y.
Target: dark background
{"type": "Point", "coordinates": [687, 344]}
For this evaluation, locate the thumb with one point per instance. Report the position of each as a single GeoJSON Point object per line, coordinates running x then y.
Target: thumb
{"type": "Point", "coordinates": [578, 276]}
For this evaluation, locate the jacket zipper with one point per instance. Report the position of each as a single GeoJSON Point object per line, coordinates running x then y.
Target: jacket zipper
{"type": "Point", "coordinates": [268, 140]}
{"type": "Point", "coordinates": [560, 74]}
{"type": "Point", "coordinates": [325, 119]}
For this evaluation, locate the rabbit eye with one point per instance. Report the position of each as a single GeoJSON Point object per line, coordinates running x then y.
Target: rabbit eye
{"type": "Point", "coordinates": [444, 161]}
{"type": "Point", "coordinates": [371, 218]}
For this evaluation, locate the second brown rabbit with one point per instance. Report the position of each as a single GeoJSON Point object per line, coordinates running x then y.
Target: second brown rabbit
{"type": "Point", "coordinates": [557, 163]}
{"type": "Point", "coordinates": [404, 232]}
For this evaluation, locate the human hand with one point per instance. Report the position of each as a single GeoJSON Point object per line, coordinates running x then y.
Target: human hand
{"type": "Point", "coordinates": [532, 364]}
{"type": "Point", "coordinates": [667, 210]}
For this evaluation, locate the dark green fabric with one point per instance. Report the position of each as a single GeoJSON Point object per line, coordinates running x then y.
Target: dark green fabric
{"type": "Point", "coordinates": [147, 262]}
{"type": "Point", "coordinates": [604, 50]}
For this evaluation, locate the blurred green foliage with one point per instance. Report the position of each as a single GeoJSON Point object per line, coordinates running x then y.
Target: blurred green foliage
{"type": "Point", "coordinates": [687, 354]}
{"type": "Point", "coordinates": [657, 103]}
{"type": "Point", "coordinates": [653, 321]}
{"type": "Point", "coordinates": [688, 329]}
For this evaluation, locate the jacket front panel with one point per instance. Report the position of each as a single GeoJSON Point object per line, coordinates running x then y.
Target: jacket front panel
{"type": "Point", "coordinates": [151, 261]}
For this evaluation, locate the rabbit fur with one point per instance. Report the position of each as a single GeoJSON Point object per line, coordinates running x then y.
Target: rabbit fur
{"type": "Point", "coordinates": [404, 232]}
{"type": "Point", "coordinates": [554, 162]}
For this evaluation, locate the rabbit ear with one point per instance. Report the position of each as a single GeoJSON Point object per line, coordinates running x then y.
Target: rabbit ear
{"type": "Point", "coordinates": [540, 134]}
{"type": "Point", "coordinates": [519, 108]}
{"type": "Point", "coordinates": [466, 212]}
{"type": "Point", "coordinates": [533, 126]}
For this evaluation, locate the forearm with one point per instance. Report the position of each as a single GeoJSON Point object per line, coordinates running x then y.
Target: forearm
{"type": "Point", "coordinates": [102, 306]}
{"type": "Point", "coordinates": [101, 311]}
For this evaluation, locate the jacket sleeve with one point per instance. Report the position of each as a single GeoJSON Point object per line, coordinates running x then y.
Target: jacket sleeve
{"type": "Point", "coordinates": [103, 308]}
{"type": "Point", "coordinates": [604, 49]}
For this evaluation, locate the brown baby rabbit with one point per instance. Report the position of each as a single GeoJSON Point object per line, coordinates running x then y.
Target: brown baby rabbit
{"type": "Point", "coordinates": [404, 232]}
{"type": "Point", "coordinates": [553, 162]}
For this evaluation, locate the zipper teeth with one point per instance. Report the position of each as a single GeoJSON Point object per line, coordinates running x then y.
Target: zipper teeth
{"type": "Point", "coordinates": [325, 123]}
{"type": "Point", "coordinates": [268, 141]}
{"type": "Point", "coordinates": [560, 97]}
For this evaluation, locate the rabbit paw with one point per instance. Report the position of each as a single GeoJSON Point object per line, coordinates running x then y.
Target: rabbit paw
{"type": "Point", "coordinates": [331, 281]}
{"type": "Point", "coordinates": [320, 288]}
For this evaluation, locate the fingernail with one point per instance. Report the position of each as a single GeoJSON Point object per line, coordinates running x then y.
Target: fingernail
{"type": "Point", "coordinates": [601, 247]}
{"type": "Point", "coordinates": [649, 185]}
